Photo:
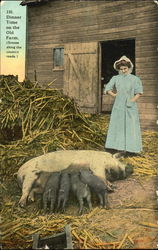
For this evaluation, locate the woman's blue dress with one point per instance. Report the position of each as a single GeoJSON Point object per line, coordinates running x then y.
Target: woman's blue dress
{"type": "Point", "coordinates": [124, 128]}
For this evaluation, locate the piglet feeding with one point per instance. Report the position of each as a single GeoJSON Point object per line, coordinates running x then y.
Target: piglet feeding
{"type": "Point", "coordinates": [102, 164]}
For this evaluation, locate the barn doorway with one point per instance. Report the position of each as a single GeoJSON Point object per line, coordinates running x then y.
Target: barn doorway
{"type": "Point", "coordinates": [110, 52]}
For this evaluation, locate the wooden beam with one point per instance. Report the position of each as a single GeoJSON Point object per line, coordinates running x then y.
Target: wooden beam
{"type": "Point", "coordinates": [75, 67]}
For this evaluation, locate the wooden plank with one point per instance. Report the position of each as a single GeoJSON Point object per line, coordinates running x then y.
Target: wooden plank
{"type": "Point", "coordinates": [150, 70]}
{"type": "Point", "coordinates": [150, 21]}
{"type": "Point", "coordinates": [149, 112]}
{"type": "Point", "coordinates": [147, 106]}
{"type": "Point", "coordinates": [148, 116]}
{"type": "Point", "coordinates": [89, 110]}
{"type": "Point", "coordinates": [145, 17]}
{"type": "Point", "coordinates": [147, 26]}
{"type": "Point", "coordinates": [148, 99]}
{"type": "Point", "coordinates": [107, 107]}
{"type": "Point", "coordinates": [45, 63]}
{"type": "Point", "coordinates": [144, 75]}
{"type": "Point", "coordinates": [141, 53]}
{"type": "Point", "coordinates": [149, 127]}
{"type": "Point", "coordinates": [147, 30]}
{"type": "Point", "coordinates": [146, 6]}
{"type": "Point", "coordinates": [147, 65]}
{"type": "Point", "coordinates": [143, 109]}
{"type": "Point", "coordinates": [151, 93]}
{"type": "Point", "coordinates": [75, 67]}
{"type": "Point", "coordinates": [149, 83]}
{"type": "Point", "coordinates": [150, 87]}
{"type": "Point", "coordinates": [147, 123]}
{"type": "Point", "coordinates": [142, 59]}
{"type": "Point", "coordinates": [150, 35]}
{"type": "Point", "coordinates": [76, 50]}
{"type": "Point", "coordinates": [107, 99]}
{"type": "Point", "coordinates": [149, 42]}
{"type": "Point", "coordinates": [146, 78]}
{"type": "Point", "coordinates": [75, 9]}
{"type": "Point", "coordinates": [147, 48]}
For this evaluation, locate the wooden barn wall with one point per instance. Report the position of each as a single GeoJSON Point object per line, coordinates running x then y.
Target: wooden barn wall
{"type": "Point", "coordinates": [147, 61]}
{"type": "Point", "coordinates": [60, 22]}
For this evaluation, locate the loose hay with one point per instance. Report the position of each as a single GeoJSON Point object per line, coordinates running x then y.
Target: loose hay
{"type": "Point", "coordinates": [36, 121]}
{"type": "Point", "coordinates": [147, 162]}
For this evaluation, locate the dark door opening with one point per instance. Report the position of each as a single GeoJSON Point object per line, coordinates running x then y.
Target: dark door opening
{"type": "Point", "coordinates": [110, 52]}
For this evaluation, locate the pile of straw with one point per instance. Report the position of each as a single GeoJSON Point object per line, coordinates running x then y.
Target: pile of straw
{"type": "Point", "coordinates": [37, 120]}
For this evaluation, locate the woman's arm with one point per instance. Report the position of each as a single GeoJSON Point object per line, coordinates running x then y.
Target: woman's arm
{"type": "Point", "coordinates": [135, 98]}
{"type": "Point", "coordinates": [110, 92]}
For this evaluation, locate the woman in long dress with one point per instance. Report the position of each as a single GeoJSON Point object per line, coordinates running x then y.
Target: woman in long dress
{"type": "Point", "coordinates": [124, 132]}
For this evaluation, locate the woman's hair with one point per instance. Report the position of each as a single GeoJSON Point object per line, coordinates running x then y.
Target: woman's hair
{"type": "Point", "coordinates": [123, 63]}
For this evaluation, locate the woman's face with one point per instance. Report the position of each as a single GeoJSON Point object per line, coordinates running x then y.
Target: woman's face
{"type": "Point", "coordinates": [124, 70]}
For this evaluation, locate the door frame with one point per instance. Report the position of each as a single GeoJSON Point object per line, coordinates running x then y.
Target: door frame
{"type": "Point", "coordinates": [100, 51]}
{"type": "Point", "coordinates": [99, 77]}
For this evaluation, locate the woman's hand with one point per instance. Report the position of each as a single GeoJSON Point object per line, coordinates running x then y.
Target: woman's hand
{"type": "Point", "coordinates": [132, 100]}
{"type": "Point", "coordinates": [112, 93]}
{"type": "Point", "coordinates": [135, 98]}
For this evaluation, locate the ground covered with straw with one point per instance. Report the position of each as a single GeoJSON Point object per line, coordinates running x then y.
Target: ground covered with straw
{"type": "Point", "coordinates": [37, 120]}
